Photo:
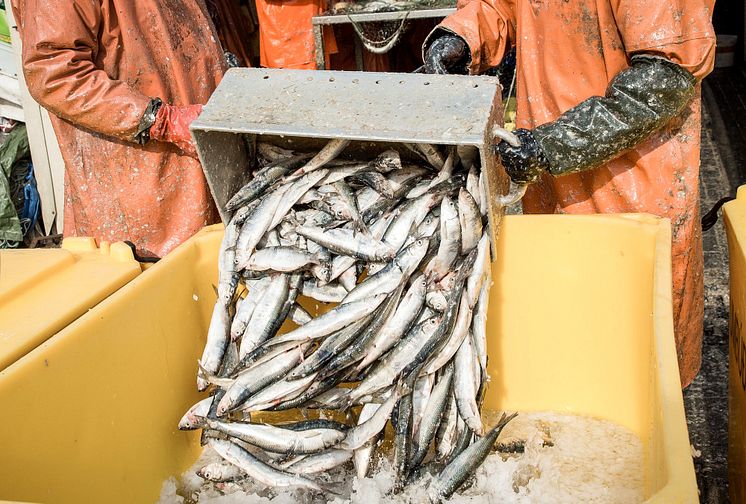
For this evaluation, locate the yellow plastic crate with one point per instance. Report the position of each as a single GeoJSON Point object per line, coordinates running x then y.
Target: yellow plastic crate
{"type": "Point", "coordinates": [44, 290]}
{"type": "Point", "coordinates": [93, 411]}
{"type": "Point", "coordinates": [735, 226]}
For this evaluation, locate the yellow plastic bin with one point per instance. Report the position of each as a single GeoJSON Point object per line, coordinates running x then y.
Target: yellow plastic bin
{"type": "Point", "coordinates": [93, 411]}
{"type": "Point", "coordinates": [44, 290]}
{"type": "Point", "coordinates": [735, 226]}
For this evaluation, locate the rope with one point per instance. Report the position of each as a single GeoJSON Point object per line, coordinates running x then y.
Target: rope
{"type": "Point", "coordinates": [379, 46]}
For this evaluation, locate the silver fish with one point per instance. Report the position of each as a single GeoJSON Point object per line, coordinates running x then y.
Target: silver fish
{"type": "Point", "coordinates": [460, 331]}
{"type": "Point", "coordinates": [218, 337]}
{"type": "Point", "coordinates": [399, 323]}
{"type": "Point", "coordinates": [446, 170]}
{"type": "Point", "coordinates": [481, 270]}
{"type": "Point", "coordinates": [258, 470]}
{"type": "Point", "coordinates": [330, 151]}
{"type": "Point", "coordinates": [450, 241]}
{"type": "Point", "coordinates": [194, 417]}
{"type": "Point", "coordinates": [472, 185]}
{"type": "Point", "coordinates": [278, 439]}
{"type": "Point", "coordinates": [256, 225]}
{"type": "Point", "coordinates": [465, 389]}
{"type": "Point", "coordinates": [363, 456]}
{"type": "Point", "coordinates": [245, 309]}
{"type": "Point", "coordinates": [285, 259]}
{"type": "Point", "coordinates": [338, 317]}
{"type": "Point", "coordinates": [432, 415]}
{"type": "Point", "coordinates": [220, 472]}
{"type": "Point", "coordinates": [349, 200]}
{"type": "Point", "coordinates": [463, 466]}
{"type": "Point", "coordinates": [423, 387]}
{"type": "Point", "coordinates": [389, 369]}
{"type": "Point", "coordinates": [257, 377]}
{"type": "Point", "coordinates": [266, 313]}
{"type": "Point", "coordinates": [358, 436]}
{"type": "Point", "coordinates": [470, 219]}
{"type": "Point", "coordinates": [294, 192]}
{"type": "Point", "coordinates": [349, 242]}
{"type": "Point", "coordinates": [445, 437]}
{"type": "Point", "coordinates": [329, 293]}
{"type": "Point", "coordinates": [320, 462]}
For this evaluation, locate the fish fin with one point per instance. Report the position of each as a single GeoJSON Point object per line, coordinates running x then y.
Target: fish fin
{"type": "Point", "coordinates": [211, 378]}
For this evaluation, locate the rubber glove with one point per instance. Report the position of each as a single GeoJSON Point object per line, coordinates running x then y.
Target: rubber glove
{"type": "Point", "coordinates": [172, 125]}
{"type": "Point", "coordinates": [447, 53]}
{"type": "Point", "coordinates": [639, 101]}
{"type": "Point", "coordinates": [524, 164]}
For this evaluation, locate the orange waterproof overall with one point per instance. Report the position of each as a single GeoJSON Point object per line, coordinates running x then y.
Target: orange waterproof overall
{"type": "Point", "coordinates": [570, 50]}
{"type": "Point", "coordinates": [286, 38]}
{"type": "Point", "coordinates": [95, 65]}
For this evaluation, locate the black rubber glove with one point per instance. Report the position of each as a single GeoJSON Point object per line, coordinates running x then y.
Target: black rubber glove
{"type": "Point", "coordinates": [524, 164]}
{"type": "Point", "coordinates": [639, 101]}
{"type": "Point", "coordinates": [446, 53]}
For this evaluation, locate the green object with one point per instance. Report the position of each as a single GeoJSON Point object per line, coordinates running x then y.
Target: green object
{"type": "Point", "coordinates": [639, 101]}
{"type": "Point", "coordinates": [4, 28]}
{"type": "Point", "coordinates": [14, 149]}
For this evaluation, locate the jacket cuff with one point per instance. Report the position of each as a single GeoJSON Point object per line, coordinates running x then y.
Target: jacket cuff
{"type": "Point", "coordinates": [142, 136]}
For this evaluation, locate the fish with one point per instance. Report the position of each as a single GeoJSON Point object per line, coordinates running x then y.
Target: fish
{"type": "Point", "coordinates": [359, 435]}
{"type": "Point", "coordinates": [256, 225]}
{"type": "Point", "coordinates": [450, 241]}
{"type": "Point", "coordinates": [470, 220]}
{"type": "Point", "coordinates": [363, 456]}
{"type": "Point", "coordinates": [260, 471]}
{"type": "Point", "coordinates": [256, 378]}
{"type": "Point", "coordinates": [458, 471]}
{"type": "Point", "coordinates": [194, 417]}
{"type": "Point", "coordinates": [262, 324]}
{"type": "Point", "coordinates": [349, 242]}
{"type": "Point", "coordinates": [263, 179]}
{"type": "Point", "coordinates": [338, 317]}
{"type": "Point", "coordinates": [218, 337]}
{"type": "Point", "coordinates": [395, 327]}
{"type": "Point", "coordinates": [320, 462]}
{"type": "Point", "coordinates": [220, 472]}
{"type": "Point", "coordinates": [285, 259]}
{"type": "Point", "coordinates": [465, 389]}
{"type": "Point", "coordinates": [432, 415]}
{"type": "Point", "coordinates": [330, 151]}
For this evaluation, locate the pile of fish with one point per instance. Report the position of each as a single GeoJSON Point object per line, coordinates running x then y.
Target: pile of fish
{"type": "Point", "coordinates": [399, 255]}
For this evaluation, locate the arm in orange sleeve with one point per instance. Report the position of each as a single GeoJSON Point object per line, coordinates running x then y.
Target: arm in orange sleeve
{"type": "Point", "coordinates": [487, 26]}
{"type": "Point", "coordinates": [59, 49]}
{"type": "Point", "coordinates": [670, 46]}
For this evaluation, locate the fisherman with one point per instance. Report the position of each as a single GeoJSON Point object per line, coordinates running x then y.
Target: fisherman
{"type": "Point", "coordinates": [123, 80]}
{"type": "Point", "coordinates": [608, 114]}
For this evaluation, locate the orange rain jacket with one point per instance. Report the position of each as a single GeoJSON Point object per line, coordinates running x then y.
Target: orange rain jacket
{"type": "Point", "coordinates": [286, 38]}
{"type": "Point", "coordinates": [286, 34]}
{"type": "Point", "coordinates": [568, 51]}
{"type": "Point", "coordinates": [95, 65]}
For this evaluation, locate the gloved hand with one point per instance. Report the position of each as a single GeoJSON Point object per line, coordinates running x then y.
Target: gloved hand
{"type": "Point", "coordinates": [172, 125]}
{"type": "Point", "coordinates": [524, 164]}
{"type": "Point", "coordinates": [447, 54]}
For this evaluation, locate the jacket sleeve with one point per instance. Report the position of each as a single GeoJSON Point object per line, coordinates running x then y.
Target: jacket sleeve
{"type": "Point", "coordinates": [60, 48]}
{"type": "Point", "coordinates": [487, 26]}
{"type": "Point", "coordinates": [670, 46]}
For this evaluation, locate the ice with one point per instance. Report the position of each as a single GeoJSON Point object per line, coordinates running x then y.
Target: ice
{"type": "Point", "coordinates": [567, 459]}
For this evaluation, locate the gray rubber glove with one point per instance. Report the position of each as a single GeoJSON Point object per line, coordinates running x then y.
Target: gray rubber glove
{"type": "Point", "coordinates": [639, 101]}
